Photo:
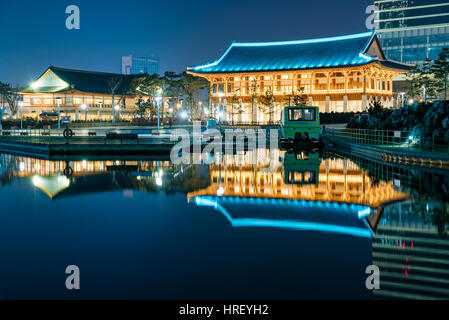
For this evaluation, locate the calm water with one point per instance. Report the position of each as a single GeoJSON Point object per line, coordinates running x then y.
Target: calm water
{"type": "Point", "coordinates": [293, 227]}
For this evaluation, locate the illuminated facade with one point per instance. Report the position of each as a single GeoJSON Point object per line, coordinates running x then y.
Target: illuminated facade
{"type": "Point", "coordinates": [339, 74]}
{"type": "Point", "coordinates": [83, 95]}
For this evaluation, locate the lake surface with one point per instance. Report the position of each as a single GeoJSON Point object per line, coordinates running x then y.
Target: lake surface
{"type": "Point", "coordinates": [286, 226]}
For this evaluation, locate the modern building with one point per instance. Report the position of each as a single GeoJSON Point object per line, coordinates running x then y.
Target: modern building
{"type": "Point", "coordinates": [83, 95]}
{"type": "Point", "coordinates": [338, 74]}
{"type": "Point", "coordinates": [137, 65]}
{"type": "Point", "coordinates": [411, 31]}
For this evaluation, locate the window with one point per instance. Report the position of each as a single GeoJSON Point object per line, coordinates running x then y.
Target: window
{"type": "Point", "coordinates": [36, 101]}
{"type": "Point", "coordinates": [301, 114]}
{"type": "Point", "coordinates": [304, 177]}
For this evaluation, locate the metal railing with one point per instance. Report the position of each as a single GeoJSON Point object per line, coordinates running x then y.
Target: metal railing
{"type": "Point", "coordinates": [389, 138]}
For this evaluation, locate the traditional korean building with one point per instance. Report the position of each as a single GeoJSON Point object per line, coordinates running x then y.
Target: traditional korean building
{"type": "Point", "coordinates": [338, 74]}
{"type": "Point", "coordinates": [81, 95]}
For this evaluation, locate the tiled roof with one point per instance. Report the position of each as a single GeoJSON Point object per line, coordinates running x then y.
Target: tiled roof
{"type": "Point", "coordinates": [332, 52]}
{"type": "Point", "coordinates": [84, 81]}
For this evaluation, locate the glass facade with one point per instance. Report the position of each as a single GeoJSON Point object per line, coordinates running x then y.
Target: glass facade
{"type": "Point", "coordinates": [138, 65]}
{"type": "Point", "coordinates": [412, 31]}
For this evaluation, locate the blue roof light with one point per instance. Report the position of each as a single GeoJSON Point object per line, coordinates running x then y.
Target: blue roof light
{"type": "Point", "coordinates": [289, 55]}
{"type": "Point", "coordinates": [207, 201]}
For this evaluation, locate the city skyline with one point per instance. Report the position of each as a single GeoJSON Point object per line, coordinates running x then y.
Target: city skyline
{"type": "Point", "coordinates": [178, 35]}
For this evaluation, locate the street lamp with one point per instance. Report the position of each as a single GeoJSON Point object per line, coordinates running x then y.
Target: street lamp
{"type": "Point", "coordinates": [220, 95]}
{"type": "Point", "coordinates": [403, 98]}
{"type": "Point", "coordinates": [58, 101]}
{"type": "Point", "coordinates": [84, 107]}
{"type": "Point", "coordinates": [117, 111]}
{"type": "Point", "coordinates": [21, 114]}
{"type": "Point", "coordinates": [220, 190]}
{"type": "Point", "coordinates": [101, 103]}
{"type": "Point", "coordinates": [158, 102]}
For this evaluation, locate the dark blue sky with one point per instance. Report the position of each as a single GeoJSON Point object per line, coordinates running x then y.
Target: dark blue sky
{"type": "Point", "coordinates": [181, 32]}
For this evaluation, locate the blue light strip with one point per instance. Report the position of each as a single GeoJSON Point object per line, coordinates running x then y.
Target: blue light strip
{"type": "Point", "coordinates": [284, 224]}
{"type": "Point", "coordinates": [213, 63]}
{"type": "Point", "coordinates": [301, 225]}
{"type": "Point", "coordinates": [309, 41]}
{"type": "Point", "coordinates": [365, 56]}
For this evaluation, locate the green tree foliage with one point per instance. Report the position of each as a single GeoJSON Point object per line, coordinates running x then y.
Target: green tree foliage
{"type": "Point", "coordinates": [192, 87]}
{"type": "Point", "coordinates": [298, 98]}
{"type": "Point", "coordinates": [172, 88]}
{"type": "Point", "coordinates": [175, 87]}
{"type": "Point", "coordinates": [145, 108]}
{"type": "Point", "coordinates": [431, 78]}
{"type": "Point", "coordinates": [440, 68]}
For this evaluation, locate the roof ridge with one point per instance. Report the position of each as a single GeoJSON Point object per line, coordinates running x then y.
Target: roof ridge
{"type": "Point", "coordinates": [306, 41]}
{"type": "Point", "coordinates": [54, 68]}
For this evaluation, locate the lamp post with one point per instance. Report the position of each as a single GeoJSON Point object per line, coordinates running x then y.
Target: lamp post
{"type": "Point", "coordinates": [158, 102]}
{"type": "Point", "coordinates": [101, 103]}
{"type": "Point", "coordinates": [117, 112]}
{"type": "Point", "coordinates": [58, 102]}
{"type": "Point", "coordinates": [21, 114]}
{"type": "Point", "coordinates": [84, 107]}
{"type": "Point", "coordinates": [220, 190]}
{"type": "Point", "coordinates": [220, 95]}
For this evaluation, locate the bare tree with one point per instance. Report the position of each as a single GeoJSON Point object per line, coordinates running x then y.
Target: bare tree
{"type": "Point", "coordinates": [235, 106]}
{"type": "Point", "coordinates": [114, 83]}
{"type": "Point", "coordinates": [11, 97]}
{"type": "Point", "coordinates": [253, 91]}
{"type": "Point", "coordinates": [267, 105]}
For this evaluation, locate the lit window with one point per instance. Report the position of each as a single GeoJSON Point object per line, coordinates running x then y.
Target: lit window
{"type": "Point", "coordinates": [301, 114]}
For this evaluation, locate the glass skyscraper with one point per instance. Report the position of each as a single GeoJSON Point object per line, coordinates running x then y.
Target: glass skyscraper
{"type": "Point", "coordinates": [137, 65]}
{"type": "Point", "coordinates": [411, 31]}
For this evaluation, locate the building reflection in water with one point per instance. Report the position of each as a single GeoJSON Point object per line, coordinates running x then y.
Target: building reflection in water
{"type": "Point", "coordinates": [411, 251]}
{"type": "Point", "coordinates": [305, 177]}
{"type": "Point", "coordinates": [408, 240]}
{"type": "Point", "coordinates": [273, 175]}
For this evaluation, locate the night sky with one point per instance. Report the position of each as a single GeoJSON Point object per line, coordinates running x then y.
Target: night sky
{"type": "Point", "coordinates": [183, 33]}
